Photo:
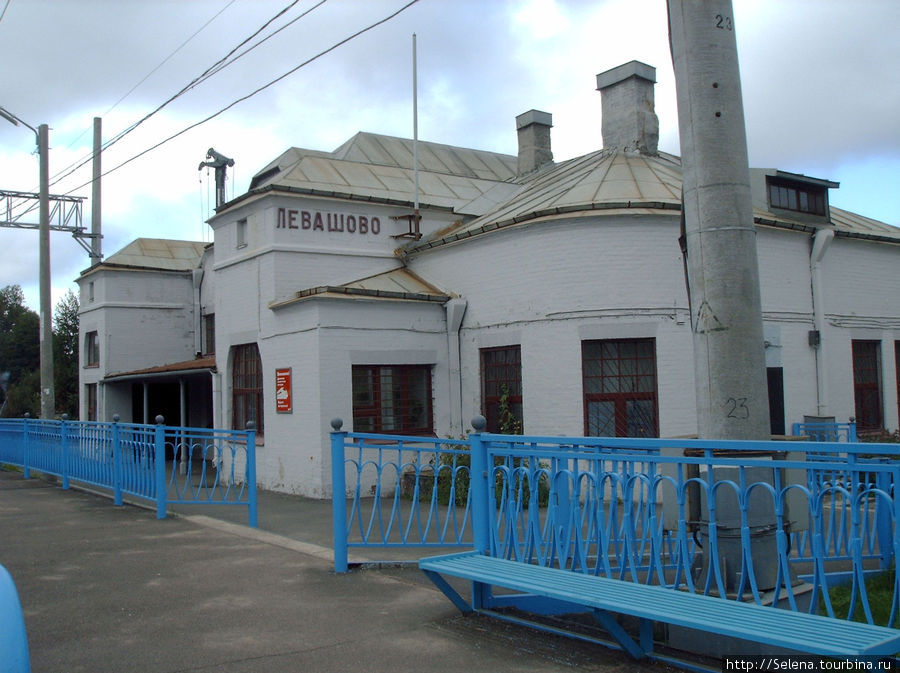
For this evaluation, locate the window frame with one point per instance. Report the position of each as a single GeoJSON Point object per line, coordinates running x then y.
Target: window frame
{"type": "Point", "coordinates": [490, 400]}
{"type": "Point", "coordinates": [619, 399]}
{"type": "Point", "coordinates": [92, 349]}
{"type": "Point", "coordinates": [209, 334]}
{"type": "Point", "coordinates": [867, 394]}
{"type": "Point", "coordinates": [797, 197]}
{"type": "Point", "coordinates": [374, 409]}
{"type": "Point", "coordinates": [247, 387]}
{"type": "Point", "coordinates": [91, 399]}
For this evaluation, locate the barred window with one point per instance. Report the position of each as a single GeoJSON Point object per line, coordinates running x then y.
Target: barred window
{"type": "Point", "coordinates": [867, 384]}
{"type": "Point", "coordinates": [247, 387]}
{"type": "Point", "coordinates": [392, 399]}
{"type": "Point", "coordinates": [501, 386]}
{"type": "Point", "coordinates": [620, 398]}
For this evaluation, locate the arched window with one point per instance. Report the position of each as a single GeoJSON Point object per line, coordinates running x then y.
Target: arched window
{"type": "Point", "coordinates": [246, 387]}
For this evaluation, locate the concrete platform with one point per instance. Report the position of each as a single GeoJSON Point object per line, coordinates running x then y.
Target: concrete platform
{"type": "Point", "coordinates": [113, 589]}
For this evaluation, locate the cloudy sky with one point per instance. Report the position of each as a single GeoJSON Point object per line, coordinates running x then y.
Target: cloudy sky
{"type": "Point", "coordinates": [819, 80]}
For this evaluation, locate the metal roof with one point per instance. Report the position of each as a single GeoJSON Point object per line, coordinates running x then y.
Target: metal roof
{"type": "Point", "coordinates": [396, 284]}
{"type": "Point", "coordinates": [197, 365]}
{"type": "Point", "coordinates": [376, 167]}
{"type": "Point", "coordinates": [159, 253]}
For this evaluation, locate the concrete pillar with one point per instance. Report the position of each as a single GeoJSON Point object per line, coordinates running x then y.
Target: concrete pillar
{"type": "Point", "coordinates": [729, 353]}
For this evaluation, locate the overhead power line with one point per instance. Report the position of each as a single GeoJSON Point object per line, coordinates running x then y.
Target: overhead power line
{"type": "Point", "coordinates": [256, 91]}
{"type": "Point", "coordinates": [216, 67]}
{"type": "Point", "coordinates": [149, 74]}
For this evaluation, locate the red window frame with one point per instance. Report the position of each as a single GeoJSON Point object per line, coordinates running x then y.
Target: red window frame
{"type": "Point", "coordinates": [501, 374]}
{"type": "Point", "coordinates": [392, 399]}
{"type": "Point", "coordinates": [867, 385]}
{"type": "Point", "coordinates": [621, 374]}
{"type": "Point", "coordinates": [247, 387]}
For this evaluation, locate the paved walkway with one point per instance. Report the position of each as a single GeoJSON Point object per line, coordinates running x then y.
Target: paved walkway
{"type": "Point", "coordinates": [113, 590]}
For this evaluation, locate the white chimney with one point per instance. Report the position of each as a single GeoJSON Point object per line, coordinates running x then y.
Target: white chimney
{"type": "Point", "coordinates": [534, 140]}
{"type": "Point", "coordinates": [629, 121]}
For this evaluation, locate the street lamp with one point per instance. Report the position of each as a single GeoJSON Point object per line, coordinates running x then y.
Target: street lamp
{"type": "Point", "coordinates": [48, 395]}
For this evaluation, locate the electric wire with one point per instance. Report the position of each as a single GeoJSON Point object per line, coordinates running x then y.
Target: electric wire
{"type": "Point", "coordinates": [216, 67]}
{"type": "Point", "coordinates": [5, 7]}
{"type": "Point", "coordinates": [254, 92]}
{"type": "Point", "coordinates": [149, 74]}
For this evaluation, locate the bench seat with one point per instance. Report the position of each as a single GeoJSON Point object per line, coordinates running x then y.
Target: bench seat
{"type": "Point", "coordinates": [798, 631]}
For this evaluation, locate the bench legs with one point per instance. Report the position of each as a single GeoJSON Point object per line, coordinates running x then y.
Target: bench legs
{"type": "Point", "coordinates": [481, 594]}
{"type": "Point", "coordinates": [639, 649]}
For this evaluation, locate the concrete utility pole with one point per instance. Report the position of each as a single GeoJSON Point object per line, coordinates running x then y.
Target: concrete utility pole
{"type": "Point", "coordinates": [723, 274]}
{"type": "Point", "coordinates": [48, 393]}
{"type": "Point", "coordinates": [96, 238]}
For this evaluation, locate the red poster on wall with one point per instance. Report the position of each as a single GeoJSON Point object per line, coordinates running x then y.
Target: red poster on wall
{"type": "Point", "coordinates": [283, 402]}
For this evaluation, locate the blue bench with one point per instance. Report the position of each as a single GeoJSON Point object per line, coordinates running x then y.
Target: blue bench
{"type": "Point", "coordinates": [13, 639]}
{"type": "Point", "coordinates": [798, 631]}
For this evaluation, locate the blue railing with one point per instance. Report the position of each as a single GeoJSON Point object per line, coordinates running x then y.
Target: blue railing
{"type": "Point", "coordinates": [164, 464]}
{"type": "Point", "coordinates": [818, 431]}
{"type": "Point", "coordinates": [773, 522]}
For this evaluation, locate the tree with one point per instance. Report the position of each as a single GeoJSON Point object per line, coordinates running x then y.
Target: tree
{"type": "Point", "coordinates": [19, 353]}
{"type": "Point", "coordinates": [65, 354]}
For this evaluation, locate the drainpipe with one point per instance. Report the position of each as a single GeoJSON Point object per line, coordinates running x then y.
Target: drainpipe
{"type": "Point", "coordinates": [196, 280]}
{"type": "Point", "coordinates": [821, 241]}
{"type": "Point", "coordinates": [456, 309]}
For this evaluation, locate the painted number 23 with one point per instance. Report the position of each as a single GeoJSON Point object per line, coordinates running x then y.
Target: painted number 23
{"type": "Point", "coordinates": [737, 408]}
{"type": "Point", "coordinates": [723, 22]}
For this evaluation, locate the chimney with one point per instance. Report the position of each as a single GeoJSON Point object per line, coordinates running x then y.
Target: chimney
{"type": "Point", "coordinates": [534, 140]}
{"type": "Point", "coordinates": [629, 121]}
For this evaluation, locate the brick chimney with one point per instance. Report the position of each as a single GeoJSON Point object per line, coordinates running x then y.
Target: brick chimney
{"type": "Point", "coordinates": [629, 121]}
{"type": "Point", "coordinates": [534, 140]}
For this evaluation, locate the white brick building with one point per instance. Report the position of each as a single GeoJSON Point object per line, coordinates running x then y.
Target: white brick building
{"type": "Point", "coordinates": [557, 289]}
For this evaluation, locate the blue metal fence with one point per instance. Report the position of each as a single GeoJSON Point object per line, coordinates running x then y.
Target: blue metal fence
{"type": "Point", "coordinates": [164, 464]}
{"type": "Point", "coordinates": [775, 522]}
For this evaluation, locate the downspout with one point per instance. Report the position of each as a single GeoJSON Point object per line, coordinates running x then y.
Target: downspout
{"type": "Point", "coordinates": [821, 241]}
{"type": "Point", "coordinates": [456, 309]}
{"type": "Point", "coordinates": [196, 280]}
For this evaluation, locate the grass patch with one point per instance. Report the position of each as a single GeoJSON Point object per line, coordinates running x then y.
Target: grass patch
{"type": "Point", "coordinates": [880, 592]}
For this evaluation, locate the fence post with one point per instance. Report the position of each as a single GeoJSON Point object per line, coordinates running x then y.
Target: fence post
{"type": "Point", "coordinates": [64, 441]}
{"type": "Point", "coordinates": [339, 496]}
{"type": "Point", "coordinates": [252, 512]}
{"type": "Point", "coordinates": [478, 481]}
{"type": "Point", "coordinates": [117, 462]}
{"type": "Point", "coordinates": [851, 430]}
{"type": "Point", "coordinates": [26, 472]}
{"type": "Point", "coordinates": [159, 450]}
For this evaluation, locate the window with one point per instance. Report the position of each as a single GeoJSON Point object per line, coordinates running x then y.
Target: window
{"type": "Point", "coordinates": [620, 388]}
{"type": "Point", "coordinates": [91, 349]}
{"type": "Point", "coordinates": [897, 378]}
{"type": "Point", "coordinates": [392, 399]}
{"type": "Point", "coordinates": [90, 397]}
{"type": "Point", "coordinates": [797, 196]}
{"type": "Point", "coordinates": [867, 384]}
{"type": "Point", "coordinates": [501, 380]}
{"type": "Point", "coordinates": [246, 387]}
{"type": "Point", "coordinates": [209, 334]}
{"type": "Point", "coordinates": [91, 291]}
{"type": "Point", "coordinates": [241, 233]}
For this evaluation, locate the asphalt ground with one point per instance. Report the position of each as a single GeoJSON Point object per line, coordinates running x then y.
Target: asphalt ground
{"type": "Point", "coordinates": [110, 589]}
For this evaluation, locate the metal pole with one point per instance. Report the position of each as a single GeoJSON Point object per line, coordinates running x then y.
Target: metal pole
{"type": "Point", "coordinates": [48, 396]}
{"type": "Point", "coordinates": [729, 355]}
{"type": "Point", "coordinates": [96, 240]}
